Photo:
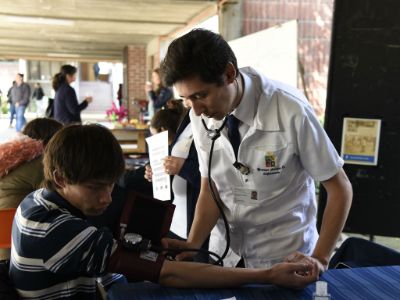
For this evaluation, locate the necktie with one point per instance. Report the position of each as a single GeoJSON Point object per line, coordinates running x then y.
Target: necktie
{"type": "Point", "coordinates": [233, 133]}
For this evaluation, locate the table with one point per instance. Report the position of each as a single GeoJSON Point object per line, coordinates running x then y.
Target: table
{"type": "Point", "coordinates": [132, 140]}
{"type": "Point", "coordinates": [381, 283]}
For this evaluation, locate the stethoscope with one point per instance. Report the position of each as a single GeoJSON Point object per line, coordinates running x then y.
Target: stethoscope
{"type": "Point", "coordinates": [213, 135]}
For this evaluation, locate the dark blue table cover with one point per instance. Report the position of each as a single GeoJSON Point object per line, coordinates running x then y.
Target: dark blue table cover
{"type": "Point", "coordinates": [351, 284]}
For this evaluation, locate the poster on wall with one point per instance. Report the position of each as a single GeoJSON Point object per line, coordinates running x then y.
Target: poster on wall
{"type": "Point", "coordinates": [360, 141]}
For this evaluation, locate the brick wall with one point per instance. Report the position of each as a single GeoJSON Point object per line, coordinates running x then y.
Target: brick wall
{"type": "Point", "coordinates": [135, 77]}
{"type": "Point", "coordinates": [314, 32]}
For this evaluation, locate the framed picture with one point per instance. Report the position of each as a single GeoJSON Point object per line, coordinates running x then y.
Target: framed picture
{"type": "Point", "coordinates": [360, 141]}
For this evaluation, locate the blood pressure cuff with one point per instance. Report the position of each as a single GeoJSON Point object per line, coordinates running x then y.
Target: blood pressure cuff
{"type": "Point", "coordinates": [146, 216]}
{"type": "Point", "coordinates": [136, 266]}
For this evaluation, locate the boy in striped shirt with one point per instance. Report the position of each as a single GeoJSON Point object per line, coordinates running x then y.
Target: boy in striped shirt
{"type": "Point", "coordinates": [57, 253]}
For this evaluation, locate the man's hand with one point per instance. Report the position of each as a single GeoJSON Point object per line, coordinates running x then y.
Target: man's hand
{"type": "Point", "coordinates": [173, 244]}
{"type": "Point", "coordinates": [173, 165]}
{"type": "Point", "coordinates": [148, 173]}
{"type": "Point", "coordinates": [302, 258]}
{"type": "Point", "coordinates": [293, 275]}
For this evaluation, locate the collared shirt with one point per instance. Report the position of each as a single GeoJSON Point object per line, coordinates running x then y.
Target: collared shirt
{"type": "Point", "coordinates": [272, 210]}
{"type": "Point", "coordinates": [55, 252]}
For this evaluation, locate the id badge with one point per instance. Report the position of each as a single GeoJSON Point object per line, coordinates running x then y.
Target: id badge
{"type": "Point", "coordinates": [246, 196]}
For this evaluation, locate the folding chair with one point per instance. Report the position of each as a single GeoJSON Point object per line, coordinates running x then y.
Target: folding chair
{"type": "Point", "coordinates": [6, 220]}
{"type": "Point", "coordinates": [7, 291]}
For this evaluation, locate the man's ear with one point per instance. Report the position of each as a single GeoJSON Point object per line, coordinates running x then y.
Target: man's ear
{"type": "Point", "coordinates": [58, 179]}
{"type": "Point", "coordinates": [230, 73]}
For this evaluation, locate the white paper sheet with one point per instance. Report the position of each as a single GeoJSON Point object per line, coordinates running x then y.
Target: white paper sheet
{"type": "Point", "coordinates": [158, 150]}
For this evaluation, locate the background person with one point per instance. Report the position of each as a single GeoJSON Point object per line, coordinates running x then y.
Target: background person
{"type": "Point", "coordinates": [20, 95]}
{"type": "Point", "coordinates": [119, 94]}
{"type": "Point", "coordinates": [67, 109]}
{"type": "Point", "coordinates": [157, 93]}
{"type": "Point", "coordinates": [37, 96]}
{"type": "Point", "coordinates": [12, 106]}
{"type": "Point", "coordinates": [183, 165]}
{"type": "Point", "coordinates": [21, 167]}
{"type": "Point", "coordinates": [278, 148]}
{"type": "Point", "coordinates": [56, 253]}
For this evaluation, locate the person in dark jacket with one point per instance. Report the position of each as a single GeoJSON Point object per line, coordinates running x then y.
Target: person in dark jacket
{"type": "Point", "coordinates": [67, 109]}
{"type": "Point", "coordinates": [20, 95]}
{"type": "Point", "coordinates": [183, 166]}
{"type": "Point", "coordinates": [157, 93]}
{"type": "Point", "coordinates": [37, 97]}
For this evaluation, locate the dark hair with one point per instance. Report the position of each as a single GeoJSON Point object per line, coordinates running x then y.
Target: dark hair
{"type": "Point", "coordinates": [42, 129]}
{"type": "Point", "coordinates": [176, 104]}
{"type": "Point", "coordinates": [166, 118]}
{"type": "Point", "coordinates": [21, 75]}
{"type": "Point", "coordinates": [201, 53]}
{"type": "Point", "coordinates": [83, 153]}
{"type": "Point", "coordinates": [61, 77]}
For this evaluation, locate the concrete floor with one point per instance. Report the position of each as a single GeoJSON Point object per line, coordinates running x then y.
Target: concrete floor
{"type": "Point", "coordinates": [5, 131]}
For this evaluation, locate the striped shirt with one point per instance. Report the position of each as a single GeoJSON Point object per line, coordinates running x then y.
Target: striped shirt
{"type": "Point", "coordinates": [56, 253]}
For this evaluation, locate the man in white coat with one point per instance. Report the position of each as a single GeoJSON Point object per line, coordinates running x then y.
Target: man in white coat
{"type": "Point", "coordinates": [266, 185]}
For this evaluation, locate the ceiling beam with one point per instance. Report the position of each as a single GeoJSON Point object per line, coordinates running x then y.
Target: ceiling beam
{"type": "Point", "coordinates": [91, 29]}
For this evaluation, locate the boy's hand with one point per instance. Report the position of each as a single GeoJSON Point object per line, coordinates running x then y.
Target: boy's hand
{"type": "Point", "coordinates": [148, 173]}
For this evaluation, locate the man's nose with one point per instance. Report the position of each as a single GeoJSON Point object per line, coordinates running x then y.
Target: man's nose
{"type": "Point", "coordinates": [197, 107]}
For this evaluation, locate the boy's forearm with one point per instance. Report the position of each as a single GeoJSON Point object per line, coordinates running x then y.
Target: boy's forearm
{"type": "Point", "coordinates": [190, 275]}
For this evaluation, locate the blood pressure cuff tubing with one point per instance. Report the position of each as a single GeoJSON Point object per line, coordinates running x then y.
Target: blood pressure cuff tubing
{"type": "Point", "coordinates": [133, 266]}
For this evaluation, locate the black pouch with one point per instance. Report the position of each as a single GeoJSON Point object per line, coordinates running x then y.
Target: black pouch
{"type": "Point", "coordinates": [149, 217]}
{"type": "Point", "coordinates": [7, 291]}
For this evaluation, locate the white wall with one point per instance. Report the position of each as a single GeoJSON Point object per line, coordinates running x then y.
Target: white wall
{"type": "Point", "coordinates": [272, 51]}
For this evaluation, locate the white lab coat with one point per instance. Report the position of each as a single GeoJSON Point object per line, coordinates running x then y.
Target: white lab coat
{"type": "Point", "coordinates": [272, 210]}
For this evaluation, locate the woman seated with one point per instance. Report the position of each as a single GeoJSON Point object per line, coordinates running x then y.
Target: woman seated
{"type": "Point", "coordinates": [21, 168]}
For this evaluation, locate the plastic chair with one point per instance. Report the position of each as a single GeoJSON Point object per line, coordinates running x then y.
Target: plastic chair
{"type": "Point", "coordinates": [6, 220]}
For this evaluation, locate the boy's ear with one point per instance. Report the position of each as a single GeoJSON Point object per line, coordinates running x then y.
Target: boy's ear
{"type": "Point", "coordinates": [58, 179]}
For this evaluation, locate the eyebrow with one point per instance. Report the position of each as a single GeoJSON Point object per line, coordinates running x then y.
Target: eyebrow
{"type": "Point", "coordinates": [194, 94]}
